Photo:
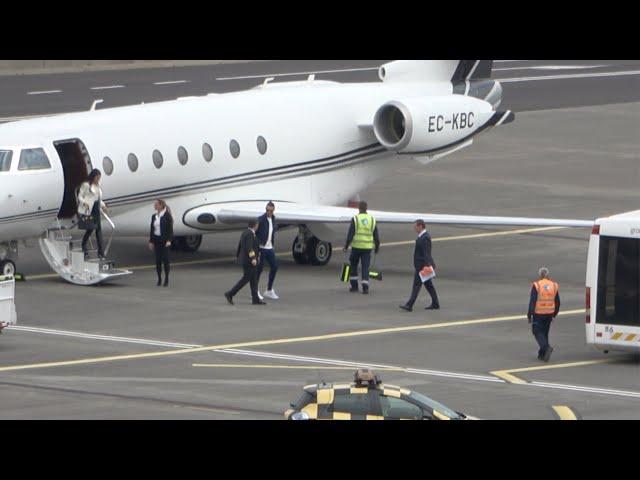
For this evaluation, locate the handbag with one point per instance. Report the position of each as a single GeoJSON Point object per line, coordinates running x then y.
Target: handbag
{"type": "Point", "coordinates": [86, 222]}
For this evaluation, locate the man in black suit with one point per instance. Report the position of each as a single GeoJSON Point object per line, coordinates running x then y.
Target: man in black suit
{"type": "Point", "coordinates": [248, 249]}
{"type": "Point", "coordinates": [422, 258]}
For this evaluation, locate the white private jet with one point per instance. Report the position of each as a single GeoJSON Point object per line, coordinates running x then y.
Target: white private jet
{"type": "Point", "coordinates": [308, 145]}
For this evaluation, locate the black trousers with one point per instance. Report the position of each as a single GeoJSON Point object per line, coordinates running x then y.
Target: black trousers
{"type": "Point", "coordinates": [162, 257]}
{"type": "Point", "coordinates": [95, 213]}
{"type": "Point", "coordinates": [428, 285]}
{"type": "Point", "coordinates": [540, 328]}
{"type": "Point", "coordinates": [363, 257]}
{"type": "Point", "coordinates": [250, 276]}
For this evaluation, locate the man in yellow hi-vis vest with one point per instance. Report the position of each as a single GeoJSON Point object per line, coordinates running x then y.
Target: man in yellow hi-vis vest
{"type": "Point", "coordinates": [544, 305]}
{"type": "Point", "coordinates": [363, 237]}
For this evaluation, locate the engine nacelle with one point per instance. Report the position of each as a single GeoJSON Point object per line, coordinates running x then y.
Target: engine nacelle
{"type": "Point", "coordinates": [429, 124]}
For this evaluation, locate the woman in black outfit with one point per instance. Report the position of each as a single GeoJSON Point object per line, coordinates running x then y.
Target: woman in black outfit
{"type": "Point", "coordinates": [160, 237]}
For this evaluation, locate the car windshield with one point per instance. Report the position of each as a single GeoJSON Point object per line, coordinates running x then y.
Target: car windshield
{"type": "Point", "coordinates": [435, 405]}
{"type": "Point", "coordinates": [305, 399]}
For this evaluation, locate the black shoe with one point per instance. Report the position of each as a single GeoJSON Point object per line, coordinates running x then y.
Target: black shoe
{"type": "Point", "coordinates": [259, 302]}
{"type": "Point", "coordinates": [166, 283]}
{"type": "Point", "coordinates": [406, 308]}
{"type": "Point", "coordinates": [547, 353]}
{"type": "Point", "coordinates": [365, 290]}
{"type": "Point", "coordinates": [432, 307]}
{"type": "Point", "coordinates": [229, 298]}
{"type": "Point", "coordinates": [353, 290]}
{"type": "Point", "coordinates": [159, 282]}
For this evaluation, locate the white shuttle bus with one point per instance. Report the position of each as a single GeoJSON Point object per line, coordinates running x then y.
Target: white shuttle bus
{"type": "Point", "coordinates": [613, 283]}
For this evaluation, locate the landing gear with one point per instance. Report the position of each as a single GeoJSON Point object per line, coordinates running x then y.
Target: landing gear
{"type": "Point", "coordinates": [7, 268]}
{"type": "Point", "coordinates": [308, 249]}
{"type": "Point", "coordinates": [190, 243]}
{"type": "Point", "coordinates": [8, 249]}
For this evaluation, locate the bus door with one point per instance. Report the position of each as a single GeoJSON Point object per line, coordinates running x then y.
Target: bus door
{"type": "Point", "coordinates": [618, 296]}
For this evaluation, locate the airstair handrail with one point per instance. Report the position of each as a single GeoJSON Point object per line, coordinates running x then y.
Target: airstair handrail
{"type": "Point", "coordinates": [113, 229]}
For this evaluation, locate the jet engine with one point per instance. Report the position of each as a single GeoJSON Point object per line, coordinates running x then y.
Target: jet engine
{"type": "Point", "coordinates": [430, 124]}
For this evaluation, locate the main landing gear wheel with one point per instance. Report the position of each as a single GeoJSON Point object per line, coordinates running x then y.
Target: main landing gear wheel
{"type": "Point", "coordinates": [319, 252]}
{"type": "Point", "coordinates": [7, 267]}
{"type": "Point", "coordinates": [299, 253]}
{"type": "Point", "coordinates": [190, 243]}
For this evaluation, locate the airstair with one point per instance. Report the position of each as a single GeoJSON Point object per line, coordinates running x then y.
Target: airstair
{"type": "Point", "coordinates": [63, 252]}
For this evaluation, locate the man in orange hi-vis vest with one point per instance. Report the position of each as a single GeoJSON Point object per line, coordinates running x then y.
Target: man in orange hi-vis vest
{"type": "Point", "coordinates": [544, 306]}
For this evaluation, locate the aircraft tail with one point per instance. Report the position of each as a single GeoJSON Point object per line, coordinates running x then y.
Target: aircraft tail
{"type": "Point", "coordinates": [454, 71]}
{"type": "Point", "coordinates": [468, 70]}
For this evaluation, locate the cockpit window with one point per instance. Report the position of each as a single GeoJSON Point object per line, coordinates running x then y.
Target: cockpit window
{"type": "Point", "coordinates": [5, 160]}
{"type": "Point", "coordinates": [33, 159]}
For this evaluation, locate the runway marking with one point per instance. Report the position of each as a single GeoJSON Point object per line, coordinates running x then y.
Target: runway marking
{"type": "Point", "coordinates": [574, 75]}
{"type": "Point", "coordinates": [352, 365]}
{"type": "Point", "coordinates": [285, 367]}
{"type": "Point", "coordinates": [564, 413]}
{"type": "Point", "coordinates": [476, 235]}
{"type": "Point", "coordinates": [172, 82]}
{"type": "Point", "coordinates": [282, 341]}
{"type": "Point", "coordinates": [107, 87]}
{"type": "Point", "coordinates": [44, 92]}
{"type": "Point", "coordinates": [44, 276]}
{"type": "Point", "coordinates": [551, 67]}
{"type": "Point", "coordinates": [508, 376]}
{"type": "Point", "coordinates": [299, 73]}
{"type": "Point", "coordinates": [90, 336]}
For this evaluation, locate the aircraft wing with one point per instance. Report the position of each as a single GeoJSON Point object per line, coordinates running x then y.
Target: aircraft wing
{"type": "Point", "coordinates": [205, 217]}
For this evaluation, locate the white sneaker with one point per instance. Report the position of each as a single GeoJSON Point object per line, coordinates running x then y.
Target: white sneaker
{"type": "Point", "coordinates": [271, 294]}
{"type": "Point", "coordinates": [260, 296]}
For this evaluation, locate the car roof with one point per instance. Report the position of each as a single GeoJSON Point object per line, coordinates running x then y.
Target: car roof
{"type": "Point", "coordinates": [337, 386]}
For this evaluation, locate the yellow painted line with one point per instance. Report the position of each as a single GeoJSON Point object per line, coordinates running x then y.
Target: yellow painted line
{"type": "Point", "coordinates": [287, 367]}
{"type": "Point", "coordinates": [630, 337]}
{"type": "Point", "coordinates": [564, 412]}
{"type": "Point", "coordinates": [282, 341]}
{"type": "Point", "coordinates": [504, 375]}
{"type": "Point", "coordinates": [509, 377]}
{"type": "Point", "coordinates": [478, 235]}
{"type": "Point", "coordinates": [616, 335]}
{"type": "Point", "coordinates": [389, 244]}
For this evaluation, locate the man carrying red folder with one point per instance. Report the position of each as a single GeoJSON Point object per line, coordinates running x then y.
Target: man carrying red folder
{"type": "Point", "coordinates": [424, 268]}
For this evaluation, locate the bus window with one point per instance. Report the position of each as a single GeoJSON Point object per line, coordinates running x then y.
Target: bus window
{"type": "Point", "coordinates": [619, 281]}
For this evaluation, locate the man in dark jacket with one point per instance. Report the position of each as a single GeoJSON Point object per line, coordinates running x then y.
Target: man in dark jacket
{"type": "Point", "coordinates": [421, 259]}
{"type": "Point", "coordinates": [247, 253]}
{"type": "Point", "coordinates": [266, 235]}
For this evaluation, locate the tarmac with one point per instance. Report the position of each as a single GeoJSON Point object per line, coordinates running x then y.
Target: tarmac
{"type": "Point", "coordinates": [131, 350]}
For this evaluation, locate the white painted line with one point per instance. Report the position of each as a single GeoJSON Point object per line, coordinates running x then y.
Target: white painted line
{"type": "Point", "coordinates": [172, 82]}
{"type": "Point", "coordinates": [299, 73]}
{"type": "Point", "coordinates": [329, 361]}
{"type": "Point", "coordinates": [578, 388]}
{"type": "Point", "coordinates": [551, 67]}
{"type": "Point", "coordinates": [253, 353]}
{"type": "Point", "coordinates": [566, 76]}
{"type": "Point", "coordinates": [90, 336]}
{"type": "Point", "coordinates": [107, 87]}
{"type": "Point", "coordinates": [44, 92]}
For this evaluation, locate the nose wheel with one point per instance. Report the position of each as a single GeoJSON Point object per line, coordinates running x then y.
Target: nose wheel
{"type": "Point", "coordinates": [7, 268]}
